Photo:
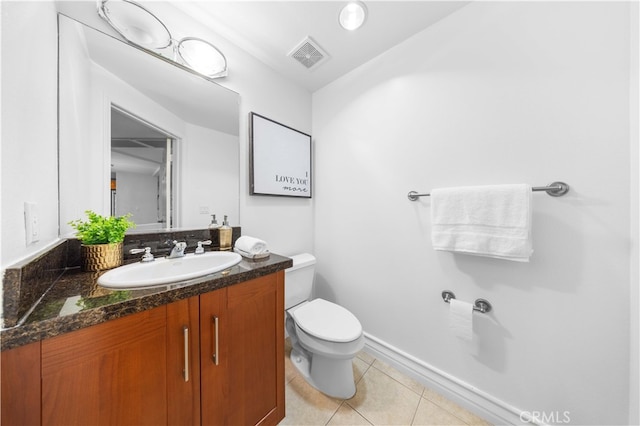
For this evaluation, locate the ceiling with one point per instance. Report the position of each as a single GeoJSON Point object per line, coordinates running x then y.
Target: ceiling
{"type": "Point", "coordinates": [270, 30]}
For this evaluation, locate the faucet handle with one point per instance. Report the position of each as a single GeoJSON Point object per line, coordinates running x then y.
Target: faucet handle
{"type": "Point", "coordinates": [147, 257]}
{"type": "Point", "coordinates": [200, 249]}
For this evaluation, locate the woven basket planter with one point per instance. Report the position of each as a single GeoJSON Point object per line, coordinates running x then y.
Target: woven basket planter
{"type": "Point", "coordinates": [98, 257]}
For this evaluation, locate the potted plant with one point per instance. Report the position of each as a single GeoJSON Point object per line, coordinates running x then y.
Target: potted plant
{"type": "Point", "coordinates": [101, 239]}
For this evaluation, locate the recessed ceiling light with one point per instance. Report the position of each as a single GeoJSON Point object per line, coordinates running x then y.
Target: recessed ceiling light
{"type": "Point", "coordinates": [353, 15]}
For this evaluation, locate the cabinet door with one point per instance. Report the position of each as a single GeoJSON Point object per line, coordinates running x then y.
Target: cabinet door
{"type": "Point", "coordinates": [183, 362]}
{"type": "Point", "coordinates": [20, 373]}
{"type": "Point", "coordinates": [255, 340]}
{"type": "Point", "coordinates": [213, 357]}
{"type": "Point", "coordinates": [242, 353]}
{"type": "Point", "coordinates": [108, 374]}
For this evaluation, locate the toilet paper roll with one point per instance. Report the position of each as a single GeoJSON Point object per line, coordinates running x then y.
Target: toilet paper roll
{"type": "Point", "coordinates": [461, 319]}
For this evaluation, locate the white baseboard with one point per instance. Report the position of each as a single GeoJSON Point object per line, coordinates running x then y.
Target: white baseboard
{"type": "Point", "coordinates": [480, 403]}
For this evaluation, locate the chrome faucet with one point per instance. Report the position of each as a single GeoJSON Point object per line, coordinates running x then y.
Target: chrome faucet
{"type": "Point", "coordinates": [178, 249]}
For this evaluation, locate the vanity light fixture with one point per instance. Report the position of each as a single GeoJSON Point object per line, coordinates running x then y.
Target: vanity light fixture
{"type": "Point", "coordinates": [135, 23]}
{"type": "Point", "coordinates": [202, 56]}
{"type": "Point", "coordinates": [140, 27]}
{"type": "Point", "coordinates": [352, 15]}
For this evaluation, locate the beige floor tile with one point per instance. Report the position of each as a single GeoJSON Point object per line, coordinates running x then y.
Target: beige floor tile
{"type": "Point", "coordinates": [431, 414]}
{"type": "Point", "coordinates": [455, 409]}
{"type": "Point", "coordinates": [359, 368]}
{"type": "Point", "coordinates": [383, 401]}
{"type": "Point", "coordinates": [366, 357]}
{"type": "Point", "coordinates": [471, 419]}
{"type": "Point", "coordinates": [347, 416]}
{"type": "Point", "coordinates": [307, 406]}
{"type": "Point", "coordinates": [405, 380]}
{"type": "Point", "coordinates": [384, 397]}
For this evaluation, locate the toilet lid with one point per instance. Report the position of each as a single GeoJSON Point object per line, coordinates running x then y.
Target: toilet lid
{"type": "Point", "coordinates": [327, 321]}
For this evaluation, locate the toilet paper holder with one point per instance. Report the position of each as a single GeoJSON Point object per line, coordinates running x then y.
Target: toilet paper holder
{"type": "Point", "coordinates": [480, 305]}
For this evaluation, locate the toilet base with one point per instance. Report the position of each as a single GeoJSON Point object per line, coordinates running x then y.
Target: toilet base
{"type": "Point", "coordinates": [331, 376]}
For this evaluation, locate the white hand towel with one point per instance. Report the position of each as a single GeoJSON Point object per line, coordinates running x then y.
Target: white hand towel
{"type": "Point", "coordinates": [492, 221]}
{"type": "Point", "coordinates": [251, 245]}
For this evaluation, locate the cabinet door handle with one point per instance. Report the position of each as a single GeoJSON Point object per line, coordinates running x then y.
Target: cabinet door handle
{"type": "Point", "coordinates": [185, 331]}
{"type": "Point", "coordinates": [215, 357]}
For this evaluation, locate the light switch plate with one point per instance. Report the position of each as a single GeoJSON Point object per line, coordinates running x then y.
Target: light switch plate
{"type": "Point", "coordinates": [31, 223]}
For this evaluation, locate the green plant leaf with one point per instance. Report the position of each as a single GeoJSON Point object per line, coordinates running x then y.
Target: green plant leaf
{"type": "Point", "coordinates": [100, 229]}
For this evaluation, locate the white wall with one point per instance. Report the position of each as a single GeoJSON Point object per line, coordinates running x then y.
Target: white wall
{"type": "Point", "coordinates": [208, 149]}
{"type": "Point", "coordinates": [29, 124]}
{"type": "Point", "coordinates": [137, 193]}
{"type": "Point", "coordinates": [81, 147]}
{"type": "Point", "coordinates": [634, 299]}
{"type": "Point", "coordinates": [503, 92]}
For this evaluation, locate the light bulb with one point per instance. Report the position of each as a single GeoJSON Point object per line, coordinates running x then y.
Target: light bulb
{"type": "Point", "coordinates": [353, 15]}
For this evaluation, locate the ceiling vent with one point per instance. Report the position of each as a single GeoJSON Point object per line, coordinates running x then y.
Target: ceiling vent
{"type": "Point", "coordinates": [308, 53]}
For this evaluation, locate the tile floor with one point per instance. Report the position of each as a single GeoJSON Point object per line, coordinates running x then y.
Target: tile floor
{"type": "Point", "coordinates": [384, 396]}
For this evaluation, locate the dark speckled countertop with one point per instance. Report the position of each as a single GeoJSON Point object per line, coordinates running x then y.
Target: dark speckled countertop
{"type": "Point", "coordinates": [74, 300]}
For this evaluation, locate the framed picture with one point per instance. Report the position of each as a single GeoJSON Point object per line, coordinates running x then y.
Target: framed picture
{"type": "Point", "coordinates": [280, 159]}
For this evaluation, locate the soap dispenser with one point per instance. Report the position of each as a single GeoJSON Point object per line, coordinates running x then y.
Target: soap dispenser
{"type": "Point", "coordinates": [214, 223]}
{"type": "Point", "coordinates": [214, 231]}
{"type": "Point", "coordinates": [225, 235]}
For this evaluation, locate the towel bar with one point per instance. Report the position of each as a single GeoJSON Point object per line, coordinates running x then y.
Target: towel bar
{"type": "Point", "coordinates": [555, 189]}
{"type": "Point", "coordinates": [480, 305]}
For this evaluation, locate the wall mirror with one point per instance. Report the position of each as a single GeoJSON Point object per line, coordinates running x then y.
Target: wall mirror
{"type": "Point", "coordinates": [141, 135]}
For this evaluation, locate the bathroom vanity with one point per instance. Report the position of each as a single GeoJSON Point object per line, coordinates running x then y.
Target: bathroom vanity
{"type": "Point", "coordinates": [206, 351]}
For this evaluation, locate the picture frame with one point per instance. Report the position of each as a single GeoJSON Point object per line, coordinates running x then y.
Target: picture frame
{"type": "Point", "coordinates": [280, 159]}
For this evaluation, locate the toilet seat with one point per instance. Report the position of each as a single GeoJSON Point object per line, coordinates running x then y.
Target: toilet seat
{"type": "Point", "coordinates": [327, 321]}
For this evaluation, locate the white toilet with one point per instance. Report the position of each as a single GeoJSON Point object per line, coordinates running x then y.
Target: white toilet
{"type": "Point", "coordinates": [325, 337]}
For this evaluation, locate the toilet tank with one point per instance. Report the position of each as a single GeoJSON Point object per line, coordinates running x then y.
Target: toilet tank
{"type": "Point", "coordinates": [298, 283]}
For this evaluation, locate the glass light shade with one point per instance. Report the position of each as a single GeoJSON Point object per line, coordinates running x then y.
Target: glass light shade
{"type": "Point", "coordinates": [135, 23]}
{"type": "Point", "coordinates": [352, 16]}
{"type": "Point", "coordinates": [202, 56]}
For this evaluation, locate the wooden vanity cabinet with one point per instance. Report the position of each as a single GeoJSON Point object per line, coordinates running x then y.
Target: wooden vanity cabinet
{"type": "Point", "coordinates": [20, 382]}
{"type": "Point", "coordinates": [242, 353]}
{"type": "Point", "coordinates": [126, 371]}
{"type": "Point", "coordinates": [213, 359]}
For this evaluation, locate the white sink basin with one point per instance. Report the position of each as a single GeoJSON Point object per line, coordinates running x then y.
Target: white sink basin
{"type": "Point", "coordinates": [165, 271]}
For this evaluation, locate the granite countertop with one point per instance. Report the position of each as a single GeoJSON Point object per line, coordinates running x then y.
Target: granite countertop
{"type": "Point", "coordinates": [76, 301]}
